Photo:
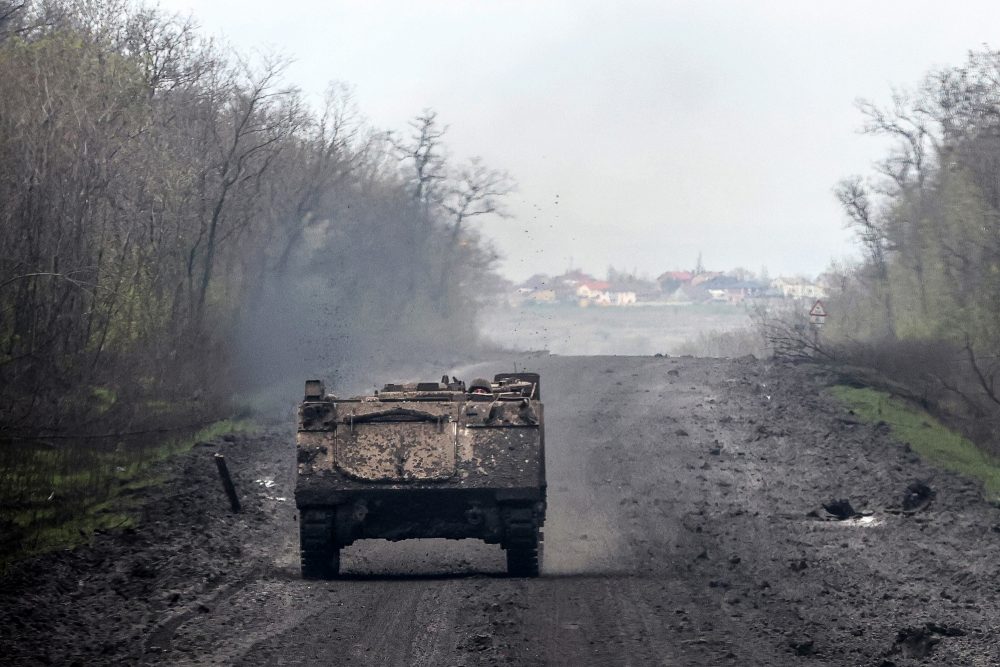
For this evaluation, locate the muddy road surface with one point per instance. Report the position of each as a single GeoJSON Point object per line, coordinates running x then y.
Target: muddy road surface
{"type": "Point", "coordinates": [686, 526]}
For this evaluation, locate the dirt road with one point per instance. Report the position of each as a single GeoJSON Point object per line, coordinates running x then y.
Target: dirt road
{"type": "Point", "coordinates": [686, 527]}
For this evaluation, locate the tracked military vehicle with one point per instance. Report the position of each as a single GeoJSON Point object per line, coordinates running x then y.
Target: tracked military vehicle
{"type": "Point", "coordinates": [431, 459]}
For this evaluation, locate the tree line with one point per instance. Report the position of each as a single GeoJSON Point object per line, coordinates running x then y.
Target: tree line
{"type": "Point", "coordinates": [925, 300]}
{"type": "Point", "coordinates": [175, 217]}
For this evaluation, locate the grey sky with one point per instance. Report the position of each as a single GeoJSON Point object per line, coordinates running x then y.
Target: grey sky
{"type": "Point", "coordinates": [662, 129]}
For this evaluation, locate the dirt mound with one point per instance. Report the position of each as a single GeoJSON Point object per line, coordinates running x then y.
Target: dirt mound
{"type": "Point", "coordinates": [917, 496]}
{"type": "Point", "coordinates": [920, 642]}
{"type": "Point", "coordinates": [841, 509]}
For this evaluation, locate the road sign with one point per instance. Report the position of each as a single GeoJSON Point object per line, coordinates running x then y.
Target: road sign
{"type": "Point", "coordinates": [817, 314]}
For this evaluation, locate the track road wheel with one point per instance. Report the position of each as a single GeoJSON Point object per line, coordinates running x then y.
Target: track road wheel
{"type": "Point", "coordinates": [320, 553]}
{"type": "Point", "coordinates": [523, 542]}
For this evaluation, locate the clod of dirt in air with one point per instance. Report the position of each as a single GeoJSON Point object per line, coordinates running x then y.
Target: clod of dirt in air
{"type": "Point", "coordinates": [917, 496]}
{"type": "Point", "coordinates": [673, 372]}
{"type": "Point", "coordinates": [841, 509]}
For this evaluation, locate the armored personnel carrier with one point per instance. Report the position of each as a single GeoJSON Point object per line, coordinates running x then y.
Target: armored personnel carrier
{"type": "Point", "coordinates": [431, 459]}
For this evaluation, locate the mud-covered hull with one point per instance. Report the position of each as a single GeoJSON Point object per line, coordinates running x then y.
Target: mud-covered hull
{"type": "Point", "coordinates": [434, 463]}
{"type": "Point", "coordinates": [318, 492]}
{"type": "Point", "coordinates": [505, 461]}
{"type": "Point", "coordinates": [425, 513]}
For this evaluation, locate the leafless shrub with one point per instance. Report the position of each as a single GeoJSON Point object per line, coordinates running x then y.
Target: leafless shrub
{"type": "Point", "coordinates": [789, 335]}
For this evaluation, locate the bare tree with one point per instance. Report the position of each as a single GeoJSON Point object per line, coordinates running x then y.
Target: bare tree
{"type": "Point", "coordinates": [327, 154]}
{"type": "Point", "coordinates": [246, 138]}
{"type": "Point", "coordinates": [854, 197]}
{"type": "Point", "coordinates": [474, 191]}
{"type": "Point", "coordinates": [12, 15]}
{"type": "Point", "coordinates": [425, 151]}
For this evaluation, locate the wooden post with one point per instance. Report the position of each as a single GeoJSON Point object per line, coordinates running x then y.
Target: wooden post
{"type": "Point", "coordinates": [227, 483]}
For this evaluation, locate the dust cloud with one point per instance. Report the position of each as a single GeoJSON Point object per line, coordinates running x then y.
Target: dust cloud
{"type": "Point", "coordinates": [570, 330]}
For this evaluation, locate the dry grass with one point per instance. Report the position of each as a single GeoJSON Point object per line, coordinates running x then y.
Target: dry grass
{"type": "Point", "coordinates": [56, 496]}
{"type": "Point", "coordinates": [925, 434]}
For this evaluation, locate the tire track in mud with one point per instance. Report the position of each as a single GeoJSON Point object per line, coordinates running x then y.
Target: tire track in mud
{"type": "Point", "coordinates": [388, 625]}
{"type": "Point", "coordinates": [435, 641]}
{"type": "Point", "coordinates": [161, 637]}
{"type": "Point", "coordinates": [259, 611]}
{"type": "Point", "coordinates": [412, 623]}
{"type": "Point", "coordinates": [399, 622]}
{"type": "Point", "coordinates": [608, 620]}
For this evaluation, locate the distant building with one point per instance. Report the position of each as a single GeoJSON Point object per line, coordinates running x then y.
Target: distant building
{"type": "Point", "coordinates": [798, 288]}
{"type": "Point", "coordinates": [598, 292]}
{"type": "Point", "coordinates": [705, 277]}
{"type": "Point", "coordinates": [671, 280]}
{"type": "Point", "coordinates": [591, 289]}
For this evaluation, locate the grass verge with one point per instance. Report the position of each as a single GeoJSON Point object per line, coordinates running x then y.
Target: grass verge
{"type": "Point", "coordinates": [57, 498]}
{"type": "Point", "coordinates": [925, 434]}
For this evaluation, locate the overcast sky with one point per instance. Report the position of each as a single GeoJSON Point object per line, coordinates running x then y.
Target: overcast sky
{"type": "Point", "coordinates": [640, 133]}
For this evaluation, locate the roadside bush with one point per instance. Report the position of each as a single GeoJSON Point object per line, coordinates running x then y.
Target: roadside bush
{"type": "Point", "coordinates": [726, 344]}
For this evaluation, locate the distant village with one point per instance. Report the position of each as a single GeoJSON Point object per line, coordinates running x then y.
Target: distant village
{"type": "Point", "coordinates": [671, 288]}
